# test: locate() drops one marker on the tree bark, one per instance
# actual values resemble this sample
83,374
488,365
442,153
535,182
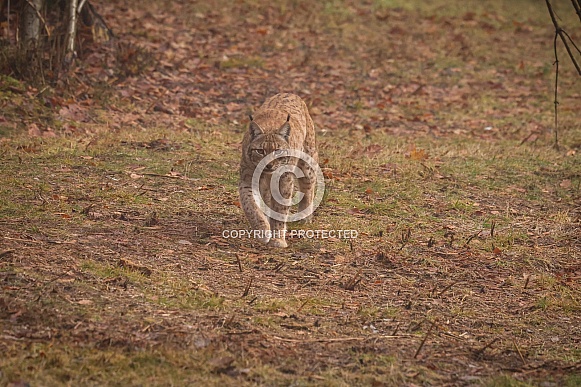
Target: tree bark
71,31
30,22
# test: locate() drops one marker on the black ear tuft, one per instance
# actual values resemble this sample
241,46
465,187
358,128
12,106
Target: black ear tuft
251,118
288,118
255,130
284,131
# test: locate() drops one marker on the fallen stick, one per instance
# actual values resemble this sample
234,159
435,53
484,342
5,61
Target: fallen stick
425,338
332,340
481,350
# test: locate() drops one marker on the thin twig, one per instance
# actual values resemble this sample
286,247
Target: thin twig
425,338
395,329
471,237
528,277
23,240
152,105
239,263
80,7
302,305
561,33
228,321
350,285
519,352
481,350
5,252
572,41
247,287
416,325
333,339
158,175
447,288
405,237
556,100
577,6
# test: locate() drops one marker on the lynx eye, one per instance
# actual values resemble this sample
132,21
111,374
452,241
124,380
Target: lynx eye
260,152
279,152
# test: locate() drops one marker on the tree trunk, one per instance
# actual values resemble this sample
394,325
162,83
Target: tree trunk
71,31
30,22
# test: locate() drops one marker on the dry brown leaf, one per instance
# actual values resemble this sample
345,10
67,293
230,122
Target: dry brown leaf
565,183
126,263
417,154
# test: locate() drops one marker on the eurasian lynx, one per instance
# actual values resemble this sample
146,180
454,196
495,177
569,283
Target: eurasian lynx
280,125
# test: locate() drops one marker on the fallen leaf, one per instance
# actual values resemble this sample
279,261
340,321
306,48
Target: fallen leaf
34,130
74,112
417,154
372,150
126,263
355,211
565,183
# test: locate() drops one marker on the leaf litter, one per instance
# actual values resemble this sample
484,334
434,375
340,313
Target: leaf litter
139,272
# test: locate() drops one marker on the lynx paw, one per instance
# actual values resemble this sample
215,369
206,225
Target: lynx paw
263,240
277,243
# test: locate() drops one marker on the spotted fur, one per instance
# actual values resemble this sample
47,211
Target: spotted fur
282,122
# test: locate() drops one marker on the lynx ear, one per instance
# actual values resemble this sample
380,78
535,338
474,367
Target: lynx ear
255,130
284,130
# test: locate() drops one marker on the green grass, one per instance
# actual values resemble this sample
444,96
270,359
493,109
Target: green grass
453,219
44,365
507,381
430,197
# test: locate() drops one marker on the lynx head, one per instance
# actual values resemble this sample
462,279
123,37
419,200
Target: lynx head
264,142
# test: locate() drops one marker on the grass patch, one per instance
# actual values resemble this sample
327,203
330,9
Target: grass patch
436,153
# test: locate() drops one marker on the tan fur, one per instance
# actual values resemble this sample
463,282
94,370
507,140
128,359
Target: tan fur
265,134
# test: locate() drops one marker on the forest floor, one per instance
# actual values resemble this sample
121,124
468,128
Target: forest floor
434,124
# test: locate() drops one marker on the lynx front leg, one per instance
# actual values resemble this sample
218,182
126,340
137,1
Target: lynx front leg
307,187
278,226
258,221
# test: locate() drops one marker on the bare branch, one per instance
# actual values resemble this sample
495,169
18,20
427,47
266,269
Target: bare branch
572,42
81,4
560,32
577,6
556,101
